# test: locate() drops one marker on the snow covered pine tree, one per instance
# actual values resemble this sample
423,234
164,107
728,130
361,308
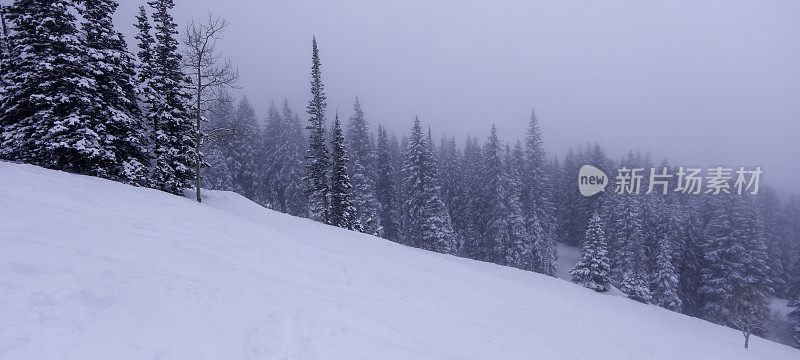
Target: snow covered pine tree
318,161
593,270
342,212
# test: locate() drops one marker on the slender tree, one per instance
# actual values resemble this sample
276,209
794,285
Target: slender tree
246,136
145,69
175,147
665,279
437,228
385,188
4,46
343,212
283,164
209,74
538,209
362,169
318,160
219,151
452,179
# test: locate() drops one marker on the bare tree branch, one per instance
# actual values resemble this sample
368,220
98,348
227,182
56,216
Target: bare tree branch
209,73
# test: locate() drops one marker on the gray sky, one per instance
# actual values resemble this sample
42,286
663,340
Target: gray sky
697,82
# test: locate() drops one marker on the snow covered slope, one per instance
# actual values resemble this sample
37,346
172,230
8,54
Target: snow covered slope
91,269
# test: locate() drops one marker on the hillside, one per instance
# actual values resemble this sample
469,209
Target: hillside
91,269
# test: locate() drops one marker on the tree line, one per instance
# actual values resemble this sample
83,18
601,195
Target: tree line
73,98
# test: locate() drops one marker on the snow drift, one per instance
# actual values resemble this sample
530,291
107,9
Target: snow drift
92,269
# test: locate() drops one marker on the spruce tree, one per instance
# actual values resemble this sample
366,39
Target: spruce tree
47,90
452,179
505,239
4,47
538,209
362,169
113,110
794,291
779,246
794,317
425,222
519,251
634,282
593,270
735,280
318,161
413,185
342,212
282,170
146,75
245,150
692,259
437,228
218,152
385,189
174,148
474,225
665,280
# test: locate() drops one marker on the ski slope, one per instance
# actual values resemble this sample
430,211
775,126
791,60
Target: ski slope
91,269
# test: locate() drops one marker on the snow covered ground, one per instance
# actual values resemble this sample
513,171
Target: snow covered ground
91,269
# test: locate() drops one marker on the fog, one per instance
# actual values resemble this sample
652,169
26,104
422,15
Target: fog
699,83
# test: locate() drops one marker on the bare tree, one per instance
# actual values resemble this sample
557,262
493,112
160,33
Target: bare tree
209,73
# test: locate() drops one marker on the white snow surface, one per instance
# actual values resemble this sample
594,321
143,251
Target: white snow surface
92,269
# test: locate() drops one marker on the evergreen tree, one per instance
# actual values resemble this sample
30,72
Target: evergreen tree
454,196
735,280
362,165
521,248
538,209
793,290
318,161
593,270
4,47
505,239
145,69
43,104
437,228
635,280
665,280
413,185
283,164
385,189
425,222
474,225
692,259
779,247
342,212
113,110
174,148
244,151
569,202
794,317
219,151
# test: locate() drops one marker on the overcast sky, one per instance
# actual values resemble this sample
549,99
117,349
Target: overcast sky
697,82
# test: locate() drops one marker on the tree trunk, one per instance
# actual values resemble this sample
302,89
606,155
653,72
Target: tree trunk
198,140
746,339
